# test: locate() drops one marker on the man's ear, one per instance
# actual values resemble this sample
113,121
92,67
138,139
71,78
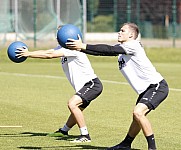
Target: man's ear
131,35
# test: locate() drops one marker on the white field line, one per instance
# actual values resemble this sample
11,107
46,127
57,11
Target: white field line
60,77
11,126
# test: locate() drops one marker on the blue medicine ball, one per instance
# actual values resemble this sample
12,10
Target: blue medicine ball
67,31
12,54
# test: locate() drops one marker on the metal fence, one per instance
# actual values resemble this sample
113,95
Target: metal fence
36,19
157,19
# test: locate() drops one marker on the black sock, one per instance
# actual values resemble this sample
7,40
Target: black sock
128,140
151,141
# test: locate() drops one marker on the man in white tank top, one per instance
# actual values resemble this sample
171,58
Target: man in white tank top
140,74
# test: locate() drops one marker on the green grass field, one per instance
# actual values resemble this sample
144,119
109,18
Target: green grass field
34,95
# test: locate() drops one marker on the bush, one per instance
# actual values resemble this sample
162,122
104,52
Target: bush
101,23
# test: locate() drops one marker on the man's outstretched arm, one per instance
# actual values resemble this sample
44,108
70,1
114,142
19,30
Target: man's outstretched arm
98,49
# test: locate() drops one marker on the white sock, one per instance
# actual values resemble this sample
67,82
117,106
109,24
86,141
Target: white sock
84,131
65,128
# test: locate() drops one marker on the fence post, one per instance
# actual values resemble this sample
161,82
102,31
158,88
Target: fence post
138,12
16,18
174,7
115,15
34,23
84,18
58,13
128,10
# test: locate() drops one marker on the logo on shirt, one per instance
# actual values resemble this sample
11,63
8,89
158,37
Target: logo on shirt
63,60
122,63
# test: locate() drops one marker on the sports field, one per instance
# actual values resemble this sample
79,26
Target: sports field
34,98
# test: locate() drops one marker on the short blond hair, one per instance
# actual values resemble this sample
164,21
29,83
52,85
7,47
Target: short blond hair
134,28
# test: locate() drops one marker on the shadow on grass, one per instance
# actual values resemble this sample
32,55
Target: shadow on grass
66,147
24,134
66,138
34,134
69,147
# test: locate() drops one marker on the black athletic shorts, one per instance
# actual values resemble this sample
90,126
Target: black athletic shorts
154,95
90,91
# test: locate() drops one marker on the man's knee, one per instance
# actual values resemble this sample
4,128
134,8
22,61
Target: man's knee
140,111
137,114
74,102
71,105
